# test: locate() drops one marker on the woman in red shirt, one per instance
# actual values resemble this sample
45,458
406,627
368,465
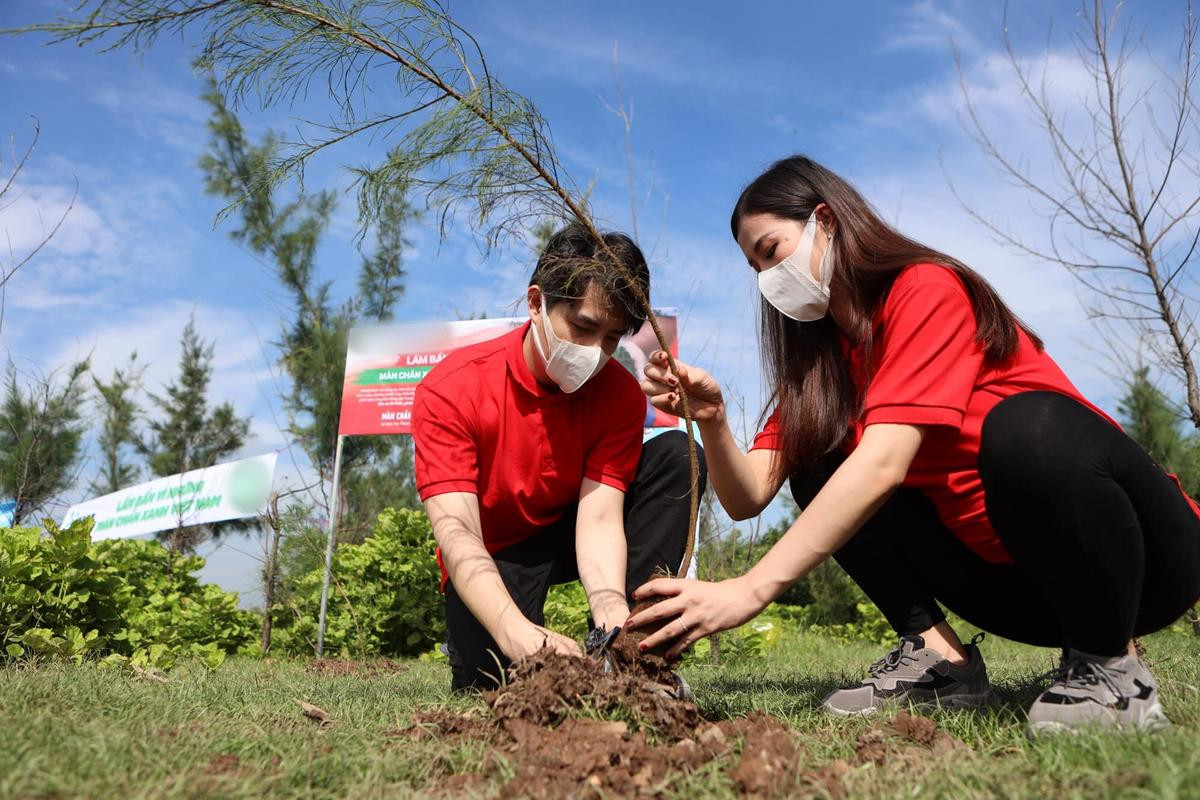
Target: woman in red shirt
943,458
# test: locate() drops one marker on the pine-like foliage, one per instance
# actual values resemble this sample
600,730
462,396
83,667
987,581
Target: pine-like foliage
376,471
41,435
1156,424
187,434
454,133
117,440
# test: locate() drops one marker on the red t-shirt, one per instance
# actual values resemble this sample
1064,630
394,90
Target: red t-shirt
930,371
481,423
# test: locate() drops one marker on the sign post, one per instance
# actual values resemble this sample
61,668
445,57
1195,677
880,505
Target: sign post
333,515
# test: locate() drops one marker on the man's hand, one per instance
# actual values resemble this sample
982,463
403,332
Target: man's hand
526,638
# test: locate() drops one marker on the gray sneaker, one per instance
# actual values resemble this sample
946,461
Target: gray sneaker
1088,690
914,674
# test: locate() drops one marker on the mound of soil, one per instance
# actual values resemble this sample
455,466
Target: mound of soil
547,687
566,727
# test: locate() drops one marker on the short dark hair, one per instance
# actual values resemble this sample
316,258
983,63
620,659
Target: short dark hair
573,260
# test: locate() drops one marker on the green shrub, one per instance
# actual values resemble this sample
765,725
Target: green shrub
384,598
567,610
61,595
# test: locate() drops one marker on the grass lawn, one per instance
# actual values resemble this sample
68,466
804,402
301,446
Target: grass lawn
239,732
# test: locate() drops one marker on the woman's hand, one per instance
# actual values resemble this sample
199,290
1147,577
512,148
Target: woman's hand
703,391
694,609
526,638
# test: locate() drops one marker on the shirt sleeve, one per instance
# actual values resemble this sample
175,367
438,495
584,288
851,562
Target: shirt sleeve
613,459
446,454
928,359
769,437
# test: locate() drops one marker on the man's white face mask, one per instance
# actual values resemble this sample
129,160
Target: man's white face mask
568,364
789,285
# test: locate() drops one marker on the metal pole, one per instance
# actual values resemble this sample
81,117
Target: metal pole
333,514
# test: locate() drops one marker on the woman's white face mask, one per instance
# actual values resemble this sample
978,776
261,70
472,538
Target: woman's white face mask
568,364
789,285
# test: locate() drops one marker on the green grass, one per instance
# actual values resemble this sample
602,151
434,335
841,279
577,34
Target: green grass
238,732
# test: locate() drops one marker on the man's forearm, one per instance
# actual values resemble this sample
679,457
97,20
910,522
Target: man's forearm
600,553
477,580
471,568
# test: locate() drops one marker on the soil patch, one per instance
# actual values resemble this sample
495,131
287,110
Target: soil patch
907,737
224,763
567,727
340,667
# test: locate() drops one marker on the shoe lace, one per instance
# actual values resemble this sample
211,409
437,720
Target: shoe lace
1081,674
895,658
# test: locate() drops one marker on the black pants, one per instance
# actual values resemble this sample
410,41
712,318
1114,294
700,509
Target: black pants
656,522
1105,546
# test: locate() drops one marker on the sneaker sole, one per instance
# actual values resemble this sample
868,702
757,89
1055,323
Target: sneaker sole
1155,719
955,702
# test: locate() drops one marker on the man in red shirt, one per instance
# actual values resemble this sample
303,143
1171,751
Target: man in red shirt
530,462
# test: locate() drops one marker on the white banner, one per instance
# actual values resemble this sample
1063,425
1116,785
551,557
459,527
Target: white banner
199,496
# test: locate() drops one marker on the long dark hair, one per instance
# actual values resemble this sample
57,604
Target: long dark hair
803,361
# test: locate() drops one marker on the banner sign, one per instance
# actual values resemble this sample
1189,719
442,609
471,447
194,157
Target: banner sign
199,496
8,511
385,363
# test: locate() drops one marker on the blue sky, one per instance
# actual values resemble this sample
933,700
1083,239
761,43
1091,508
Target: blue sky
718,91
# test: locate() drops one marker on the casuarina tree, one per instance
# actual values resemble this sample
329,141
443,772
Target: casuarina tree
117,440
376,471
187,434
455,133
41,437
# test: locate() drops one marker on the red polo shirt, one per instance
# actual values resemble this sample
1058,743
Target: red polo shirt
930,371
481,423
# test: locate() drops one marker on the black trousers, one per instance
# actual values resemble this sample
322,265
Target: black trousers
656,522
1105,546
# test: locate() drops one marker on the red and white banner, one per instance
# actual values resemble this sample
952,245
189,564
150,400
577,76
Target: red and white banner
385,363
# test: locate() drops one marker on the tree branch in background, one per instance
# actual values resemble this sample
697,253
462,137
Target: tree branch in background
473,144
1119,203
189,434
7,271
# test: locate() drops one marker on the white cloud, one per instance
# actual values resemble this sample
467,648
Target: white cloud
157,112
926,26
154,333
123,232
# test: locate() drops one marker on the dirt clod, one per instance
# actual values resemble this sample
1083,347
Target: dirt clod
907,736
925,731
769,757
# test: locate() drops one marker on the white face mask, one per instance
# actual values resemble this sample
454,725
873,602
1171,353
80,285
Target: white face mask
569,365
789,285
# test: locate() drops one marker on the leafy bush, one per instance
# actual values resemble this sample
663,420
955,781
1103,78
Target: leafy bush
62,595
567,610
384,599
